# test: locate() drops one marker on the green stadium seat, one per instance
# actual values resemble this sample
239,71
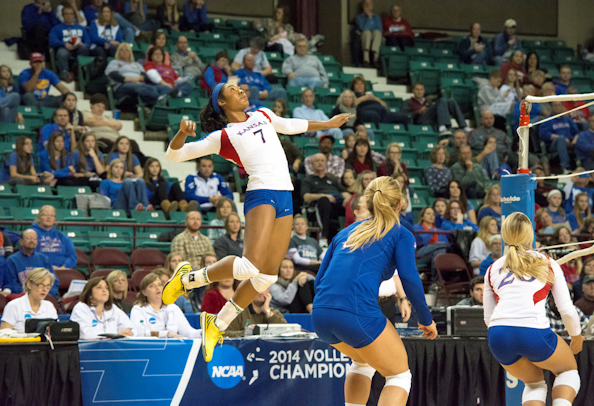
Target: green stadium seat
7,147
425,73
394,65
450,70
450,45
157,119
475,70
294,93
80,239
33,117
111,239
404,141
68,193
155,217
149,240
8,198
24,214
37,196
418,129
70,215
178,216
388,97
113,216
459,90
418,201
396,129
409,158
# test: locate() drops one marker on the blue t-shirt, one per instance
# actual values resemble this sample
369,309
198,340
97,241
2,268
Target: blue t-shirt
349,281
110,189
89,163
150,193
557,217
466,225
45,80
573,220
487,211
62,168
12,160
115,155
46,133
484,266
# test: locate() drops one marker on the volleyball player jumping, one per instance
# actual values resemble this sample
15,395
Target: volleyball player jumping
249,140
520,338
346,313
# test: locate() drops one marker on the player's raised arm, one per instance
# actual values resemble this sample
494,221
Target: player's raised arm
297,125
180,151
187,128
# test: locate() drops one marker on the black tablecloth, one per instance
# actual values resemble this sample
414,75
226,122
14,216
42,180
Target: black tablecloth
34,374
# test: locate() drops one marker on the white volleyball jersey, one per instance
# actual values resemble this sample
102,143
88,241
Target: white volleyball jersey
520,302
253,145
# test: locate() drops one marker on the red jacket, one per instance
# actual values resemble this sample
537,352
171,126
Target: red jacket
397,28
213,302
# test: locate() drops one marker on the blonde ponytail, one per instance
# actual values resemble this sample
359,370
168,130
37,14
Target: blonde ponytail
382,197
517,232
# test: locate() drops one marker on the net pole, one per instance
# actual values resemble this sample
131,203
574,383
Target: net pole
524,134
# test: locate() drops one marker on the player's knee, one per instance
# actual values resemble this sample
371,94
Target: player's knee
535,391
361,368
263,281
569,378
402,380
243,269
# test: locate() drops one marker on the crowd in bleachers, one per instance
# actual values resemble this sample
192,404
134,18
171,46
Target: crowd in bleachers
163,64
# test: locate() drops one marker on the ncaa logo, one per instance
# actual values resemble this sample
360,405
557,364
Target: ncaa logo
94,324
27,316
152,320
226,368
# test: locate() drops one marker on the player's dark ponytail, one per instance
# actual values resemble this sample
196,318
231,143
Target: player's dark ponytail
210,120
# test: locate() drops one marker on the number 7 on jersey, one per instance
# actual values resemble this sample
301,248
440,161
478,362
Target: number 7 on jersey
261,134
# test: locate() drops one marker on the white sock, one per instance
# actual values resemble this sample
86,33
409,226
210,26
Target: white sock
561,402
227,314
195,279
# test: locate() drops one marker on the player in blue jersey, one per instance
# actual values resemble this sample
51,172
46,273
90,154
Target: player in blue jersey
346,313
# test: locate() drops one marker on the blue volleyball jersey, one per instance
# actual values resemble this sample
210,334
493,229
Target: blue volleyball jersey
350,280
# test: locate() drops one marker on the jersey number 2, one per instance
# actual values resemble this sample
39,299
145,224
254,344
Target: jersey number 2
261,134
510,279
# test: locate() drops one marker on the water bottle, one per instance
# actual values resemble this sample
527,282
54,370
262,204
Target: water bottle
249,328
141,329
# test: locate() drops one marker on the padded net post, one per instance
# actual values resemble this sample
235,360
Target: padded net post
524,134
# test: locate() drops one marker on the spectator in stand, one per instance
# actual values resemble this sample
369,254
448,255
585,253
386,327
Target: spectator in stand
194,18
477,285
270,28
372,109
163,75
511,87
302,69
260,88
217,73
473,49
559,135
369,27
292,293
232,242
429,245
121,150
93,166
159,191
118,284
584,146
542,189
53,243
397,30
392,165
128,78
183,301
360,159
135,11
254,103
168,15
37,20
224,208
100,123
556,321
217,294
159,320
554,208
516,63
159,41
537,79
564,81
70,40
581,211
346,104
35,83
349,144
456,193
21,263
439,207
279,107
75,117
186,62
348,180
55,160
532,65
191,244
124,194
258,312
580,117
106,34
495,246
128,30
307,112
576,184
60,124
478,138
506,42
547,89
492,205
535,110
586,303
96,314
326,194
453,144
490,98
454,218
33,304
434,112
171,262
303,250
204,186
587,269
335,164
79,15
406,217
18,168
470,174
479,249
438,175
9,98
545,221
262,65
